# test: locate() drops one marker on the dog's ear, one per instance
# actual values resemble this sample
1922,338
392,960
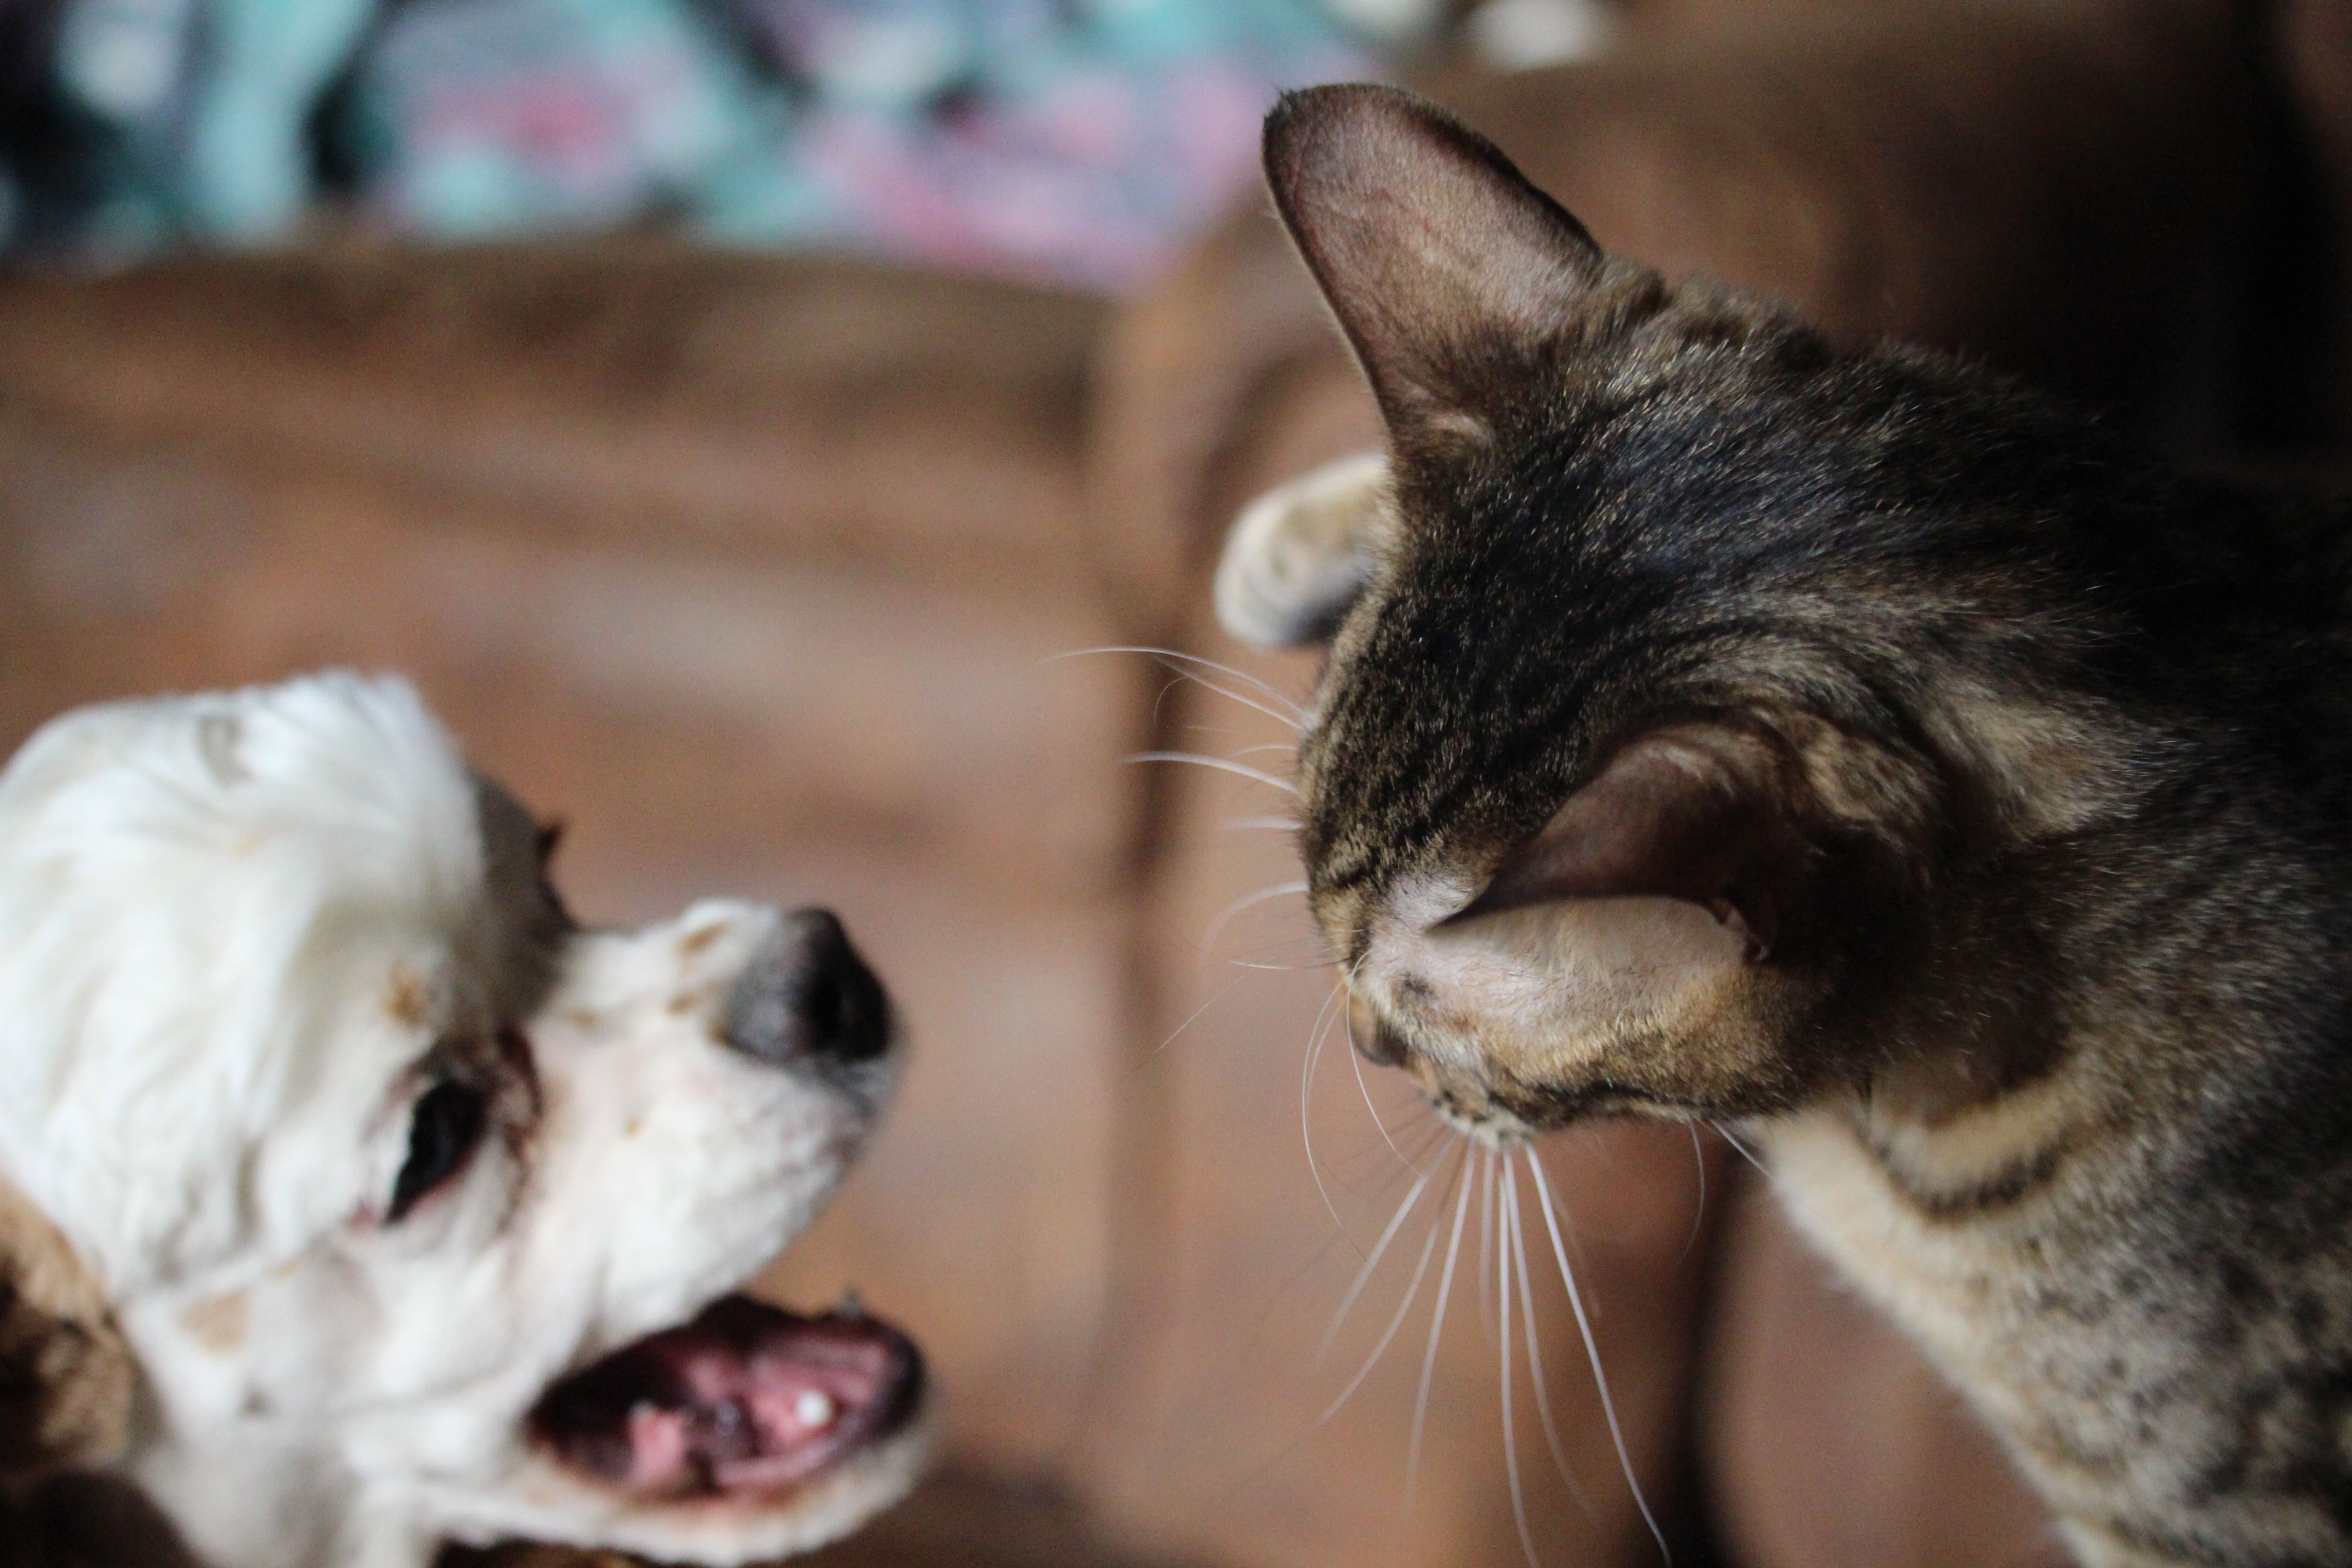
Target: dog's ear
66,1375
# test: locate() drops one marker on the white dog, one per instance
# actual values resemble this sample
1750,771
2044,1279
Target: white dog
417,1206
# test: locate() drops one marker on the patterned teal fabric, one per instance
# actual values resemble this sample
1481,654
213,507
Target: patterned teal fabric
1062,140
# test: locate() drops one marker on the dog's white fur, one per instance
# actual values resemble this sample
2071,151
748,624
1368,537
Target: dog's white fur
233,931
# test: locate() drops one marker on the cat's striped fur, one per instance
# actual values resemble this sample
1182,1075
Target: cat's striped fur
1729,726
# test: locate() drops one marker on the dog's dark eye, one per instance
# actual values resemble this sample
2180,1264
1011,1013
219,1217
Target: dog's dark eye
450,1122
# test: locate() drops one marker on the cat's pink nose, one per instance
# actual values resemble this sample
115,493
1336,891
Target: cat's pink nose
1373,1039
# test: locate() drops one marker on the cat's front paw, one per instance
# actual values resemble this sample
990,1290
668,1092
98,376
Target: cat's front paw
1299,555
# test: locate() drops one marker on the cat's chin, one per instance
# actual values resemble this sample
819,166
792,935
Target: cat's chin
1509,1117
1507,1128
1504,1132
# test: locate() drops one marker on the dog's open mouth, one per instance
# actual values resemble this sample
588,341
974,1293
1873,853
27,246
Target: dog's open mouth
746,1400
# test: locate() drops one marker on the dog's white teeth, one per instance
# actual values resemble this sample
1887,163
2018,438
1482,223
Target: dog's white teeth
643,1410
813,1409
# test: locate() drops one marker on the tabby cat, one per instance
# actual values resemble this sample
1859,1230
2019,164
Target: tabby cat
1720,724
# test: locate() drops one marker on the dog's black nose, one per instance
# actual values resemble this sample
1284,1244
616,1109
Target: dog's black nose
808,997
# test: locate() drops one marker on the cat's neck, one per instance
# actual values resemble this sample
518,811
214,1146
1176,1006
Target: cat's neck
2188,961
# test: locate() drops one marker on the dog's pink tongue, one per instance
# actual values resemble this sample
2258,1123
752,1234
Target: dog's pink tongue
745,1397
757,1420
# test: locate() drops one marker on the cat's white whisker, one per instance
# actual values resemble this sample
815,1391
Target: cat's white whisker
1203,1007
1295,725
1364,1275
1306,1095
1698,1210
1436,1332
1273,693
1293,714
1356,1060
1744,1152
1510,1437
1248,901
1516,1239
1485,1238
1221,764
1396,1320
1592,1354
1261,824
1433,1134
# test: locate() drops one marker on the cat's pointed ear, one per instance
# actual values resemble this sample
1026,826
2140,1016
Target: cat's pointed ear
1434,251
1691,812
1300,554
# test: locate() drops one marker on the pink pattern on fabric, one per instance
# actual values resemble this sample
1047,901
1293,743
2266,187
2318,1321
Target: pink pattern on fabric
1084,186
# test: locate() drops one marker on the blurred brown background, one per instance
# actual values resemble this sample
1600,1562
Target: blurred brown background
765,574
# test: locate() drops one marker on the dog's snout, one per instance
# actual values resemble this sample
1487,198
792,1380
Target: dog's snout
807,996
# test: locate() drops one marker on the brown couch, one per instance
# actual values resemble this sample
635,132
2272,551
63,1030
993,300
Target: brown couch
764,573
